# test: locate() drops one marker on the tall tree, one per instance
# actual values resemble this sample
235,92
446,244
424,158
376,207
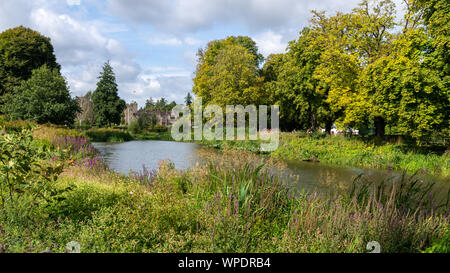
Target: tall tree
23,50
352,42
188,99
108,106
228,74
43,98
302,98
410,87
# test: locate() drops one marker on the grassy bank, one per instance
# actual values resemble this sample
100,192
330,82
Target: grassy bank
353,151
224,206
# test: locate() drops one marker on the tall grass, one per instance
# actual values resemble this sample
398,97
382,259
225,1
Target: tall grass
108,135
232,203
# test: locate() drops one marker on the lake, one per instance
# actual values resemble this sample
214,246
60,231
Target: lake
131,156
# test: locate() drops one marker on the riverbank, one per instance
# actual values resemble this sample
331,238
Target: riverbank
335,150
223,206
354,151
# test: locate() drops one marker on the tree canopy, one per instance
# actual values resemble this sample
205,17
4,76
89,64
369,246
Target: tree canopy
228,73
23,50
108,106
43,98
362,69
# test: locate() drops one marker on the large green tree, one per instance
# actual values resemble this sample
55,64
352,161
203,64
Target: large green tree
289,78
108,106
228,73
351,43
21,51
410,87
43,98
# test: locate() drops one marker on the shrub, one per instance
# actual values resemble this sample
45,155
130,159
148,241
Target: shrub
134,127
43,98
108,135
24,169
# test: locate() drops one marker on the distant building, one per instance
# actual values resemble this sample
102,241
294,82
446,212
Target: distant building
164,118
130,112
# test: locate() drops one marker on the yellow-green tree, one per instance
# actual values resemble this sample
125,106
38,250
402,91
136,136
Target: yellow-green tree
352,42
228,73
289,78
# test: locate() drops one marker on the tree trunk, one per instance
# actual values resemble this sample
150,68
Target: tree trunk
328,127
380,127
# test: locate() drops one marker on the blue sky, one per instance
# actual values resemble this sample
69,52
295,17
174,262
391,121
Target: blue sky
152,44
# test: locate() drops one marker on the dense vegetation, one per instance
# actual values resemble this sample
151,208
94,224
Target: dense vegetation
355,151
361,70
43,98
364,69
232,204
23,50
108,107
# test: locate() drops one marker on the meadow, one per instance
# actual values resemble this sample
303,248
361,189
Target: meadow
222,206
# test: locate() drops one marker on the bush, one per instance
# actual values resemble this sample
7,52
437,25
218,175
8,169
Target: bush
43,98
134,127
160,128
108,135
24,167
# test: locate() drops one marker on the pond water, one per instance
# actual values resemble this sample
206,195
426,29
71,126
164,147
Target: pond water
131,156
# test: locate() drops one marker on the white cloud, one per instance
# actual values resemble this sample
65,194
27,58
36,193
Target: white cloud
73,2
180,16
270,42
174,41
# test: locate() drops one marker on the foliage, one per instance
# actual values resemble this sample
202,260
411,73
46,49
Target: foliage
188,99
23,50
160,105
289,78
134,127
23,169
108,107
355,151
43,98
228,74
233,204
108,135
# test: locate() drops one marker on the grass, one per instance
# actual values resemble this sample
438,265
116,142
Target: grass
232,203
108,135
223,206
353,151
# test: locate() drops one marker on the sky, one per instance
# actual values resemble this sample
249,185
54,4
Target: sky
152,44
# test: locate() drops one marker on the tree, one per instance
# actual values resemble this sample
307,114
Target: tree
409,87
149,104
43,98
23,50
108,106
161,104
302,98
188,99
351,43
229,76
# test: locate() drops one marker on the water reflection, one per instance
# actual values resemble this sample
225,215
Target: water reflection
130,156
123,157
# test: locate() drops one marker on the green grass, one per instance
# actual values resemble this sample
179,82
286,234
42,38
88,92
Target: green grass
358,152
231,204
165,136
220,207
353,151
108,135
